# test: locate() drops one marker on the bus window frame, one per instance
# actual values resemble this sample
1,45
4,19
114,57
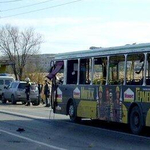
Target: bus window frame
65,72
125,69
108,70
117,63
79,70
92,70
78,76
145,67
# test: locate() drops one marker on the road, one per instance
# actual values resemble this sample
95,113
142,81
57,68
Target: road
37,128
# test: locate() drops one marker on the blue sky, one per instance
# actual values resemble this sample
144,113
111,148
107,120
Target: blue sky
79,25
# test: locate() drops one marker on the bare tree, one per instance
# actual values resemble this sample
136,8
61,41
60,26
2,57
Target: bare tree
19,46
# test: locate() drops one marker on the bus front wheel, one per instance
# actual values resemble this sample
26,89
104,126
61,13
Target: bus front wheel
136,121
72,113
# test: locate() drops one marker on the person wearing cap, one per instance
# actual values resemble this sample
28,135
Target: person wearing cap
46,93
27,91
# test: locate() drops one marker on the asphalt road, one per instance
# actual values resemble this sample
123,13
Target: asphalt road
37,128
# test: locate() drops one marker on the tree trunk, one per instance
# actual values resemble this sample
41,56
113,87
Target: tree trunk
20,73
15,72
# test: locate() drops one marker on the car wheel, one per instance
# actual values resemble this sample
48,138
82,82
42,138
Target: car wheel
3,99
35,103
136,121
72,113
13,101
23,103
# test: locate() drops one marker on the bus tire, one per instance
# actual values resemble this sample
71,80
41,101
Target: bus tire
72,113
23,103
136,120
35,103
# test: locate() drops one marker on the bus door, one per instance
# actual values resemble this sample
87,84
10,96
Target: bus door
55,68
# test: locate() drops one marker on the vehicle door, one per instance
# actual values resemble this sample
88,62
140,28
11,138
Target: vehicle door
1,86
34,91
8,91
21,91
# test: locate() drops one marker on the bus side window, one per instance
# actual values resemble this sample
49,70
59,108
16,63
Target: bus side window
82,73
135,68
100,68
116,70
85,67
72,72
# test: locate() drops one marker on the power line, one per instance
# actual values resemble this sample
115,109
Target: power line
59,5
11,1
25,6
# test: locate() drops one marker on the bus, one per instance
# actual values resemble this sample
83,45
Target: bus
111,84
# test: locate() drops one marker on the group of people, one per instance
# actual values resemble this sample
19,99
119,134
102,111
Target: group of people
40,87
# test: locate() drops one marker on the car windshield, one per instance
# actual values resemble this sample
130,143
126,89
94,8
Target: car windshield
1,82
22,86
7,82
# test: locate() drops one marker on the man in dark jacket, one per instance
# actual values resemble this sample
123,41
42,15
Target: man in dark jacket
40,87
46,93
27,91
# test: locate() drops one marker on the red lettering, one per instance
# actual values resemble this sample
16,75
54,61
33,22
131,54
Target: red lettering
76,93
59,96
128,95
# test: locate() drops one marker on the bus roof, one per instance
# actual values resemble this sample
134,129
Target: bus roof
127,49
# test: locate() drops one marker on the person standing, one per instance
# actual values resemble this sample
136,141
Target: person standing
46,93
40,86
27,91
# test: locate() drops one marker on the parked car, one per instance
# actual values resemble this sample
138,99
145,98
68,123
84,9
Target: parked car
16,93
5,81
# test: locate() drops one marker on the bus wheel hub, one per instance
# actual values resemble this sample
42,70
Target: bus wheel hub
136,120
71,110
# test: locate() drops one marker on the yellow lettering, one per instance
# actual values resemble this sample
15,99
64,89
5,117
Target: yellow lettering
142,96
148,96
137,94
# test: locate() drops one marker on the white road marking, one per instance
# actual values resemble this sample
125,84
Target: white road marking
25,115
31,140
102,129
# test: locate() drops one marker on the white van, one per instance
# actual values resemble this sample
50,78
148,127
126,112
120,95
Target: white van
5,81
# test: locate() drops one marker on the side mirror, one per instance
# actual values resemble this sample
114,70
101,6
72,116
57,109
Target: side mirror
5,87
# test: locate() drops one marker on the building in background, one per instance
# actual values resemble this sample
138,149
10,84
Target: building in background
3,65
45,60
36,62
40,61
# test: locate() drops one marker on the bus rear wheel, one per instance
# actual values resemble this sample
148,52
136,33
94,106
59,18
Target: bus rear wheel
72,113
136,121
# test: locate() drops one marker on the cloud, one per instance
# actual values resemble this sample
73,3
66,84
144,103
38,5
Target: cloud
70,34
103,34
